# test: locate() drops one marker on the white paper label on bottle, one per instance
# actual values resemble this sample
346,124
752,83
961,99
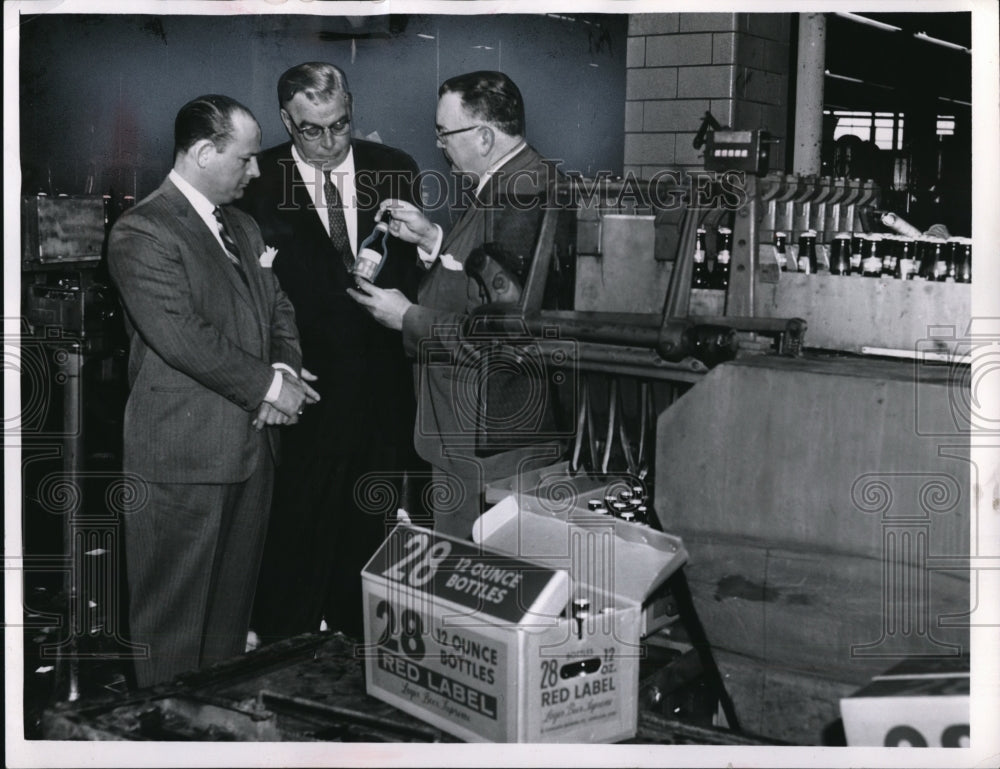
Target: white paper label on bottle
722,257
699,256
367,264
804,264
872,264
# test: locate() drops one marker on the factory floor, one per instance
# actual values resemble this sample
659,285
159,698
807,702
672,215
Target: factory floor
46,678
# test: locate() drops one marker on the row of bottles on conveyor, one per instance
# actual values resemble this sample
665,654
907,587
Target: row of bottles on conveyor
932,257
832,225
873,255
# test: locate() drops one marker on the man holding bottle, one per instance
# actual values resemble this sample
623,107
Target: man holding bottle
480,128
316,201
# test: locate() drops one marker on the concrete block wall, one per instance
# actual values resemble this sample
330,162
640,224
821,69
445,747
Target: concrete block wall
680,65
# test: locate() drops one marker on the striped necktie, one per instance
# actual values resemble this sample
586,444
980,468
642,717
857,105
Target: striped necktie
232,251
338,224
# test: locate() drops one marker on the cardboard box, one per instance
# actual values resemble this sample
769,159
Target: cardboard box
563,493
479,640
918,703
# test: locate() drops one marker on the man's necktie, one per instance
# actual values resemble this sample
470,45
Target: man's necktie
338,224
232,251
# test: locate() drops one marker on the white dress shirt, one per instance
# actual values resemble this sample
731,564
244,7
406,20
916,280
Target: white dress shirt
343,179
204,207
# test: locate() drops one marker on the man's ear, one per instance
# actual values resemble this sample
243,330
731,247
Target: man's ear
286,119
487,139
202,151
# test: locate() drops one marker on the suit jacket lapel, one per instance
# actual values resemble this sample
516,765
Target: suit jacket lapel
364,164
478,214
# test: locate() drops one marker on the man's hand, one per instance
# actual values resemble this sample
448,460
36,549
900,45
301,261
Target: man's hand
408,223
387,306
294,396
269,415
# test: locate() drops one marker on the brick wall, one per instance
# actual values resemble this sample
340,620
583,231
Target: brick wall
681,64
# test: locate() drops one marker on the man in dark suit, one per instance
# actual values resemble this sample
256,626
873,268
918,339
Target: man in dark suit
214,363
316,201
480,128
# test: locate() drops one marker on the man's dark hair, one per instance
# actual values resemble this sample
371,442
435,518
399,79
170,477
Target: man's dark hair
207,117
318,80
490,96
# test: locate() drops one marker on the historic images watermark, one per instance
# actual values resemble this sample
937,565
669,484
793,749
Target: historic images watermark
531,189
86,505
929,519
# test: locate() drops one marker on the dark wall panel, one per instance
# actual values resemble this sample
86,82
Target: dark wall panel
99,92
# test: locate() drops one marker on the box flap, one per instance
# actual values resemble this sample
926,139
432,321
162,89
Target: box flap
627,559
480,583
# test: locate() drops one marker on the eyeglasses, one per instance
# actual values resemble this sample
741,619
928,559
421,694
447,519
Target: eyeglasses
442,134
313,133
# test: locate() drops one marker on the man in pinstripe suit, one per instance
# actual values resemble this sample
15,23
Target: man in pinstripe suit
214,364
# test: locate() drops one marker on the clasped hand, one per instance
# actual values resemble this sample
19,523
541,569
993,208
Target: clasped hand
295,394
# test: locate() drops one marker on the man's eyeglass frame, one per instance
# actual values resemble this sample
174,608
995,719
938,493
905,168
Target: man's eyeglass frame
444,134
314,133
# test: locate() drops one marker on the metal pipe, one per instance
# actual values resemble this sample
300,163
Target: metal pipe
809,93
679,288
351,715
610,328
68,661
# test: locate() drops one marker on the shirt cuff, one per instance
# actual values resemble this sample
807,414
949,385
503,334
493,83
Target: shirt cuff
427,258
271,395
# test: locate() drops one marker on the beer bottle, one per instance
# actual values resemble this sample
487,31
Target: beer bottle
905,259
939,259
807,251
581,610
953,254
840,254
780,239
373,252
871,261
888,255
925,258
720,273
963,269
856,240
700,277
